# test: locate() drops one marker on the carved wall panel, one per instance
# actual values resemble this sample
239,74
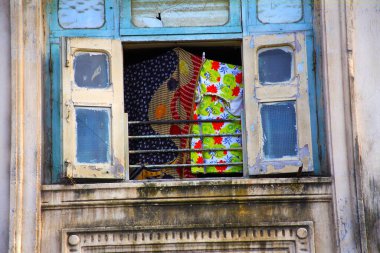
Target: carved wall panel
279,238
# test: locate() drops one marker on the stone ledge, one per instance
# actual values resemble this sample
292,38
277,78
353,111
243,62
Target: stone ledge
189,192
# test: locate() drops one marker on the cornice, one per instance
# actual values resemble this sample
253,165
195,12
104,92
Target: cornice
186,192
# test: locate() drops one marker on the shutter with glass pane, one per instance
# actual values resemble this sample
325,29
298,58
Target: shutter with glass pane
277,102
92,108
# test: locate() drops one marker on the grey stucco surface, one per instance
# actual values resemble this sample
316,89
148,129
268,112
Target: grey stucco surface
366,99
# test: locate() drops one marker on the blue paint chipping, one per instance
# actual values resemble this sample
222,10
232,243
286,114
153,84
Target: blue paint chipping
252,42
300,67
91,70
279,128
275,65
93,135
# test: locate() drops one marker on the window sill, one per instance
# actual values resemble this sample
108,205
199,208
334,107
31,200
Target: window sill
189,192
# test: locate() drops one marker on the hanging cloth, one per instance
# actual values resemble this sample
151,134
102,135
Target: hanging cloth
219,95
161,88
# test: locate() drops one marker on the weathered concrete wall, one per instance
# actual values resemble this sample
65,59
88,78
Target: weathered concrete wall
366,95
5,119
258,213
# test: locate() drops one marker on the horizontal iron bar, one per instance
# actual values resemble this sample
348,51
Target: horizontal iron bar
180,121
181,136
183,165
182,150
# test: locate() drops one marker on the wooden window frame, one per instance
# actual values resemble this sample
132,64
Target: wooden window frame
296,89
111,97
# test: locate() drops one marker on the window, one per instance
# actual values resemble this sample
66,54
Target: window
158,17
179,14
169,137
271,104
80,14
277,95
92,109
272,12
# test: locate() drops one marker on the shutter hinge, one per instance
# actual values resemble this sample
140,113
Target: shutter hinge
68,111
65,51
68,178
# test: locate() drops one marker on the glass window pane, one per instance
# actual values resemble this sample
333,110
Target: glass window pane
81,13
170,13
279,11
275,65
91,70
93,135
280,129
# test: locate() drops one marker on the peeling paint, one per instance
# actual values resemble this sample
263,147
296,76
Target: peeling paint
117,169
305,157
270,167
288,164
252,42
280,36
300,67
304,152
297,45
256,168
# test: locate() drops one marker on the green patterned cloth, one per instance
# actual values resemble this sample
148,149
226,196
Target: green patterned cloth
219,96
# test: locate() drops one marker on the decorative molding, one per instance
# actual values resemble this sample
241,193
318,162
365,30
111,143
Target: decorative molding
291,237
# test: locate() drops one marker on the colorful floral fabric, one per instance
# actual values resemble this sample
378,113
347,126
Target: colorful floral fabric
219,96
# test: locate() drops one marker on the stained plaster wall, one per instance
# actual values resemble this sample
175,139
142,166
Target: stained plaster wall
366,104
5,120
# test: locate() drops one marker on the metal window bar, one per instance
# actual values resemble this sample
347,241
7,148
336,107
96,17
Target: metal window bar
180,121
161,166
158,167
181,136
202,141
183,150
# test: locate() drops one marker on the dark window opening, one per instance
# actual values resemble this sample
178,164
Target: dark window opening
184,103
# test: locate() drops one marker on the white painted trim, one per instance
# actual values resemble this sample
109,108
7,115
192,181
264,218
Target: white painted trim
26,142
